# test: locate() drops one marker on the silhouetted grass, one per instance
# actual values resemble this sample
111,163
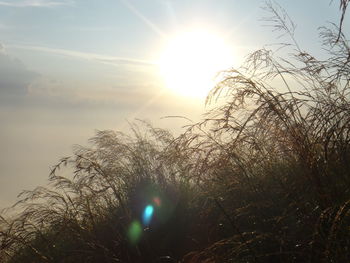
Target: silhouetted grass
263,178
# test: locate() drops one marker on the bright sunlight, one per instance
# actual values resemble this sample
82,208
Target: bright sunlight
191,61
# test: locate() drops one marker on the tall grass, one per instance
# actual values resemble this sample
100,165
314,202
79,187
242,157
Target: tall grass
264,177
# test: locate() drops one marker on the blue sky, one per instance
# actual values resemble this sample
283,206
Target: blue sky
69,67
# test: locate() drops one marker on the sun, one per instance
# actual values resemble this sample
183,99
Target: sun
191,61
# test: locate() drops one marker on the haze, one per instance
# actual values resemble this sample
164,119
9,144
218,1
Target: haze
68,68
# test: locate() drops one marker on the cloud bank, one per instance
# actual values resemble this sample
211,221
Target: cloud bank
14,76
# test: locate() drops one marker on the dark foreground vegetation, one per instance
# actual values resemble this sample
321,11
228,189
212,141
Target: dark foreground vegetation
265,177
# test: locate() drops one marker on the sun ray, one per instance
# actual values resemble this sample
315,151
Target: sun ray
143,18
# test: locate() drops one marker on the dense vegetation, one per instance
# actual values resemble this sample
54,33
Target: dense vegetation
265,177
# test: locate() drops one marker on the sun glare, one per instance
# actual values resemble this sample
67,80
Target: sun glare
191,60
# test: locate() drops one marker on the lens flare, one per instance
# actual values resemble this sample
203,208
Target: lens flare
157,201
147,215
134,232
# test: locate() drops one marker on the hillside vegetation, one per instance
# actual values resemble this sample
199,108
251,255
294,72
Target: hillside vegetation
265,177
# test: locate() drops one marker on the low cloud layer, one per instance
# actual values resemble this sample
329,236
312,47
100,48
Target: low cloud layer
14,76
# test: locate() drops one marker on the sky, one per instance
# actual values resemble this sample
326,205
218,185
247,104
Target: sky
71,67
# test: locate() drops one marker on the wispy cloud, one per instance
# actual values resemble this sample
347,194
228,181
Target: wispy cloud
112,60
92,28
4,27
35,3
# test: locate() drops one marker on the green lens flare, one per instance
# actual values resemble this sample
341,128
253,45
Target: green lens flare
134,232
